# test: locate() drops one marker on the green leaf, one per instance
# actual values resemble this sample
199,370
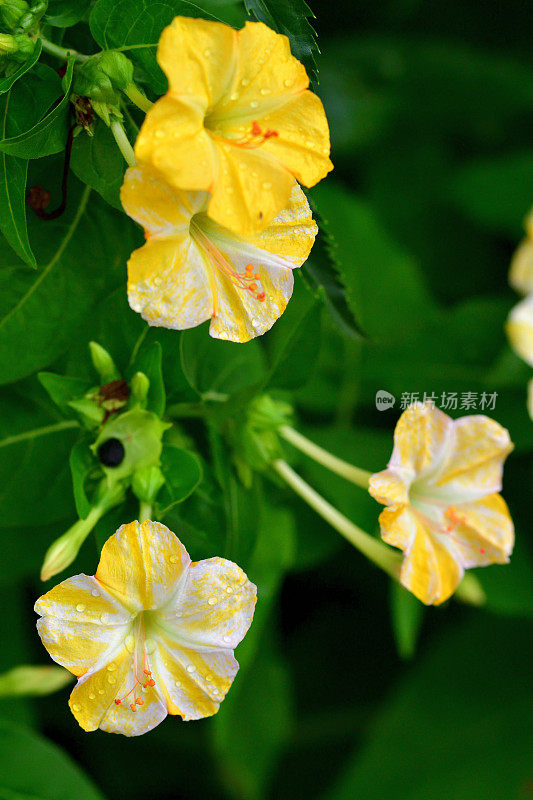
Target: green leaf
32,768
7,82
182,472
149,361
50,134
74,251
97,161
445,731
34,451
215,368
294,341
406,615
65,13
20,108
82,463
290,17
63,388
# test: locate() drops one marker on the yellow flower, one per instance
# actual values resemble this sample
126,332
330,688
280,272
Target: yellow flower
150,634
520,329
441,488
521,274
191,269
238,121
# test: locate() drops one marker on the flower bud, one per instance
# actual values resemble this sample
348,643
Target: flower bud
146,483
91,414
33,681
139,386
117,67
103,363
259,444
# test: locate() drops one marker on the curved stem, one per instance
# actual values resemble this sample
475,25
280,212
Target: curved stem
62,52
373,549
138,98
356,475
145,511
123,142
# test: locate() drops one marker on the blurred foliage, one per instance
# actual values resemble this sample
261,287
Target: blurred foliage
346,689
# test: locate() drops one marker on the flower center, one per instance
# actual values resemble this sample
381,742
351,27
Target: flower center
254,137
140,647
247,281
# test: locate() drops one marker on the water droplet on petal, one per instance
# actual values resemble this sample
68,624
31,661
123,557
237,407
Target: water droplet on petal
80,607
160,133
265,91
177,684
111,667
254,104
245,82
111,679
173,559
104,618
207,52
226,639
101,691
212,600
267,185
95,593
76,707
234,96
229,589
130,643
209,678
92,696
191,668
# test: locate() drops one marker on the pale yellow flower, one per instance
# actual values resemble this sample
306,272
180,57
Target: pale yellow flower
151,634
441,488
238,121
521,273
520,329
191,269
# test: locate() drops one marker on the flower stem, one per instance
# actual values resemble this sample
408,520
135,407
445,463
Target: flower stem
354,474
62,52
123,142
137,97
373,549
145,511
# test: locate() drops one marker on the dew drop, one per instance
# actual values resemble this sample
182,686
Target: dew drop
101,691
226,639
80,607
209,678
229,589
234,96
111,679
207,52
160,133
245,82
173,559
95,593
104,618
230,190
212,600
177,684
254,175
76,707
267,185
254,104
191,668
92,696
265,91
111,667
287,82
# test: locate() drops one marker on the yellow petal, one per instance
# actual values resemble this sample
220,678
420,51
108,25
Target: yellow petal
388,488
143,564
198,58
173,141
484,533
250,189
474,465
81,623
421,440
521,274
520,329
429,570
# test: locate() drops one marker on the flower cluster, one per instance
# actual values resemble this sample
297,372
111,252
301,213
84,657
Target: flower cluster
520,322
215,184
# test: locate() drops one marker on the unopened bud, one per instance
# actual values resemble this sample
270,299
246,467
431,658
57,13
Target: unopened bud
117,67
139,386
103,363
92,415
33,681
146,483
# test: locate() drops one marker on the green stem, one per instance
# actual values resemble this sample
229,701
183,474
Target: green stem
123,142
376,551
145,511
360,477
138,98
62,52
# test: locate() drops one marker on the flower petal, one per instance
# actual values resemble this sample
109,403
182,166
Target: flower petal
174,142
389,488
168,283
421,441
81,623
143,564
521,273
251,188
520,329
484,533
429,570
198,58
474,465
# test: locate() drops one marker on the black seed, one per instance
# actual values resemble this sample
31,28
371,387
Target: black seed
111,452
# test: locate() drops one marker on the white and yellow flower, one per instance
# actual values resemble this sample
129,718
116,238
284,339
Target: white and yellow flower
151,634
238,121
520,329
441,492
191,269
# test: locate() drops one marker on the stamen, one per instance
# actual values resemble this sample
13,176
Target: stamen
139,675
256,138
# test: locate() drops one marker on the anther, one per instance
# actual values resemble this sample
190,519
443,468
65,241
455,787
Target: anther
133,707
139,701
147,671
117,701
151,682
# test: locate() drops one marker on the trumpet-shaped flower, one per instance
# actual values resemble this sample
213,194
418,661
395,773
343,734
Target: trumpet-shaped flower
191,269
441,492
520,329
151,634
238,121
